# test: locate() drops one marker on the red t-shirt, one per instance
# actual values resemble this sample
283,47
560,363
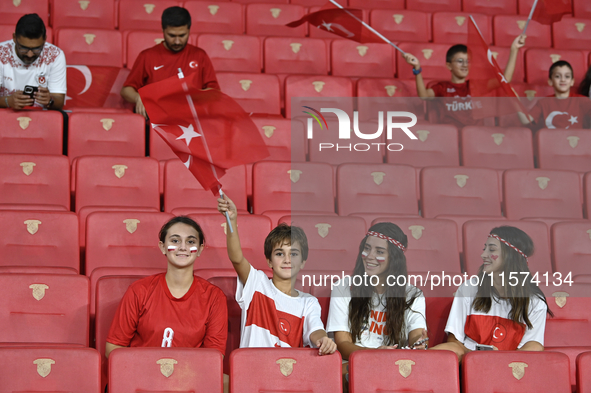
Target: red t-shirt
149,316
457,108
552,112
158,63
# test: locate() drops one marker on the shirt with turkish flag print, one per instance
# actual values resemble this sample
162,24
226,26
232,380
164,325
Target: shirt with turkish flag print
150,316
158,63
563,113
270,318
472,327
456,107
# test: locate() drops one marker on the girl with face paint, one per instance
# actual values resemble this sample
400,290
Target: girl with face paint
377,313
496,311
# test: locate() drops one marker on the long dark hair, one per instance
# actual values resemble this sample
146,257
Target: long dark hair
394,295
586,83
519,296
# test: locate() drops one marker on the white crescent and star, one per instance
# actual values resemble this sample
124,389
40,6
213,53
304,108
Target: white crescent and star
495,332
193,64
188,134
87,78
552,115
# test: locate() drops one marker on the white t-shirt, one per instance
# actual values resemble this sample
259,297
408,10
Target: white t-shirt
472,327
271,318
372,334
49,70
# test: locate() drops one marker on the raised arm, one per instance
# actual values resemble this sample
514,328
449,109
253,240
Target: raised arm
241,265
517,44
422,91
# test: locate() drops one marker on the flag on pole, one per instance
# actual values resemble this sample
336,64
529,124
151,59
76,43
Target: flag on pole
339,21
488,80
206,129
550,11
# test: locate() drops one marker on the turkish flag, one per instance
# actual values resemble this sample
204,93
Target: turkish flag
487,81
341,22
206,129
501,332
95,87
550,11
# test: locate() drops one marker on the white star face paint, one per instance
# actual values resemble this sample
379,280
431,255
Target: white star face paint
172,248
193,249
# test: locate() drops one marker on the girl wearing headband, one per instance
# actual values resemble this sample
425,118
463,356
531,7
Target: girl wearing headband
176,308
379,313
497,311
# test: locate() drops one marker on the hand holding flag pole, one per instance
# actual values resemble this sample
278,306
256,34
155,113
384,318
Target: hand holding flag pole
531,14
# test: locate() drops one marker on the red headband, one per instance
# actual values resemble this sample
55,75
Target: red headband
509,244
391,240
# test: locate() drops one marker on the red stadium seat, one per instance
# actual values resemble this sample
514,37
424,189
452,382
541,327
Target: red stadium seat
587,194
117,181
270,20
115,134
350,58
216,17
376,188
538,62
124,239
292,186
326,91
376,94
86,14
437,309
38,369
476,232
437,146
507,27
49,238
182,190
571,306
571,249
159,149
401,25
431,56
452,27
497,148
541,193
138,41
12,11
583,373
572,353
308,3
35,181
91,46
410,371
295,55
279,216
570,33
459,190
137,15
372,4
31,132
333,242
508,7
137,369
582,9
284,138
508,371
461,220
253,230
238,53
434,5
256,93
312,373
564,149
44,308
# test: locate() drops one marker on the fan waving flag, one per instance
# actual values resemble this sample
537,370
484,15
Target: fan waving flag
550,11
339,21
206,129
488,80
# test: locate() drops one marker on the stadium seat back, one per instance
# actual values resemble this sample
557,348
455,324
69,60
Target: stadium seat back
352,59
431,56
320,92
284,138
401,25
270,20
371,4
583,373
137,41
137,15
256,93
91,46
12,11
569,33
216,17
497,148
508,7
570,305
380,94
295,55
452,27
237,53
571,249
87,14
507,27
437,145
434,5
31,132
564,149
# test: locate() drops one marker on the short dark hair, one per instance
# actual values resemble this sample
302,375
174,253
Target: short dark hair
175,17
454,50
30,26
286,233
183,220
560,63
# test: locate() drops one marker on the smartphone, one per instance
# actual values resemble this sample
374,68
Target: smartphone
481,347
30,91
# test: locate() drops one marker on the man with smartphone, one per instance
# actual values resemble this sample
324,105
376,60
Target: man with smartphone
32,71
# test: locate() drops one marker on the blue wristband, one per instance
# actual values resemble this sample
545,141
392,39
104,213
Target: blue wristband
417,72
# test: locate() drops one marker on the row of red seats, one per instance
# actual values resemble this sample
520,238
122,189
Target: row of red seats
134,14
40,297
166,369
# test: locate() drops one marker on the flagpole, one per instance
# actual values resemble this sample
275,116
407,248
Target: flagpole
369,27
531,14
198,124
